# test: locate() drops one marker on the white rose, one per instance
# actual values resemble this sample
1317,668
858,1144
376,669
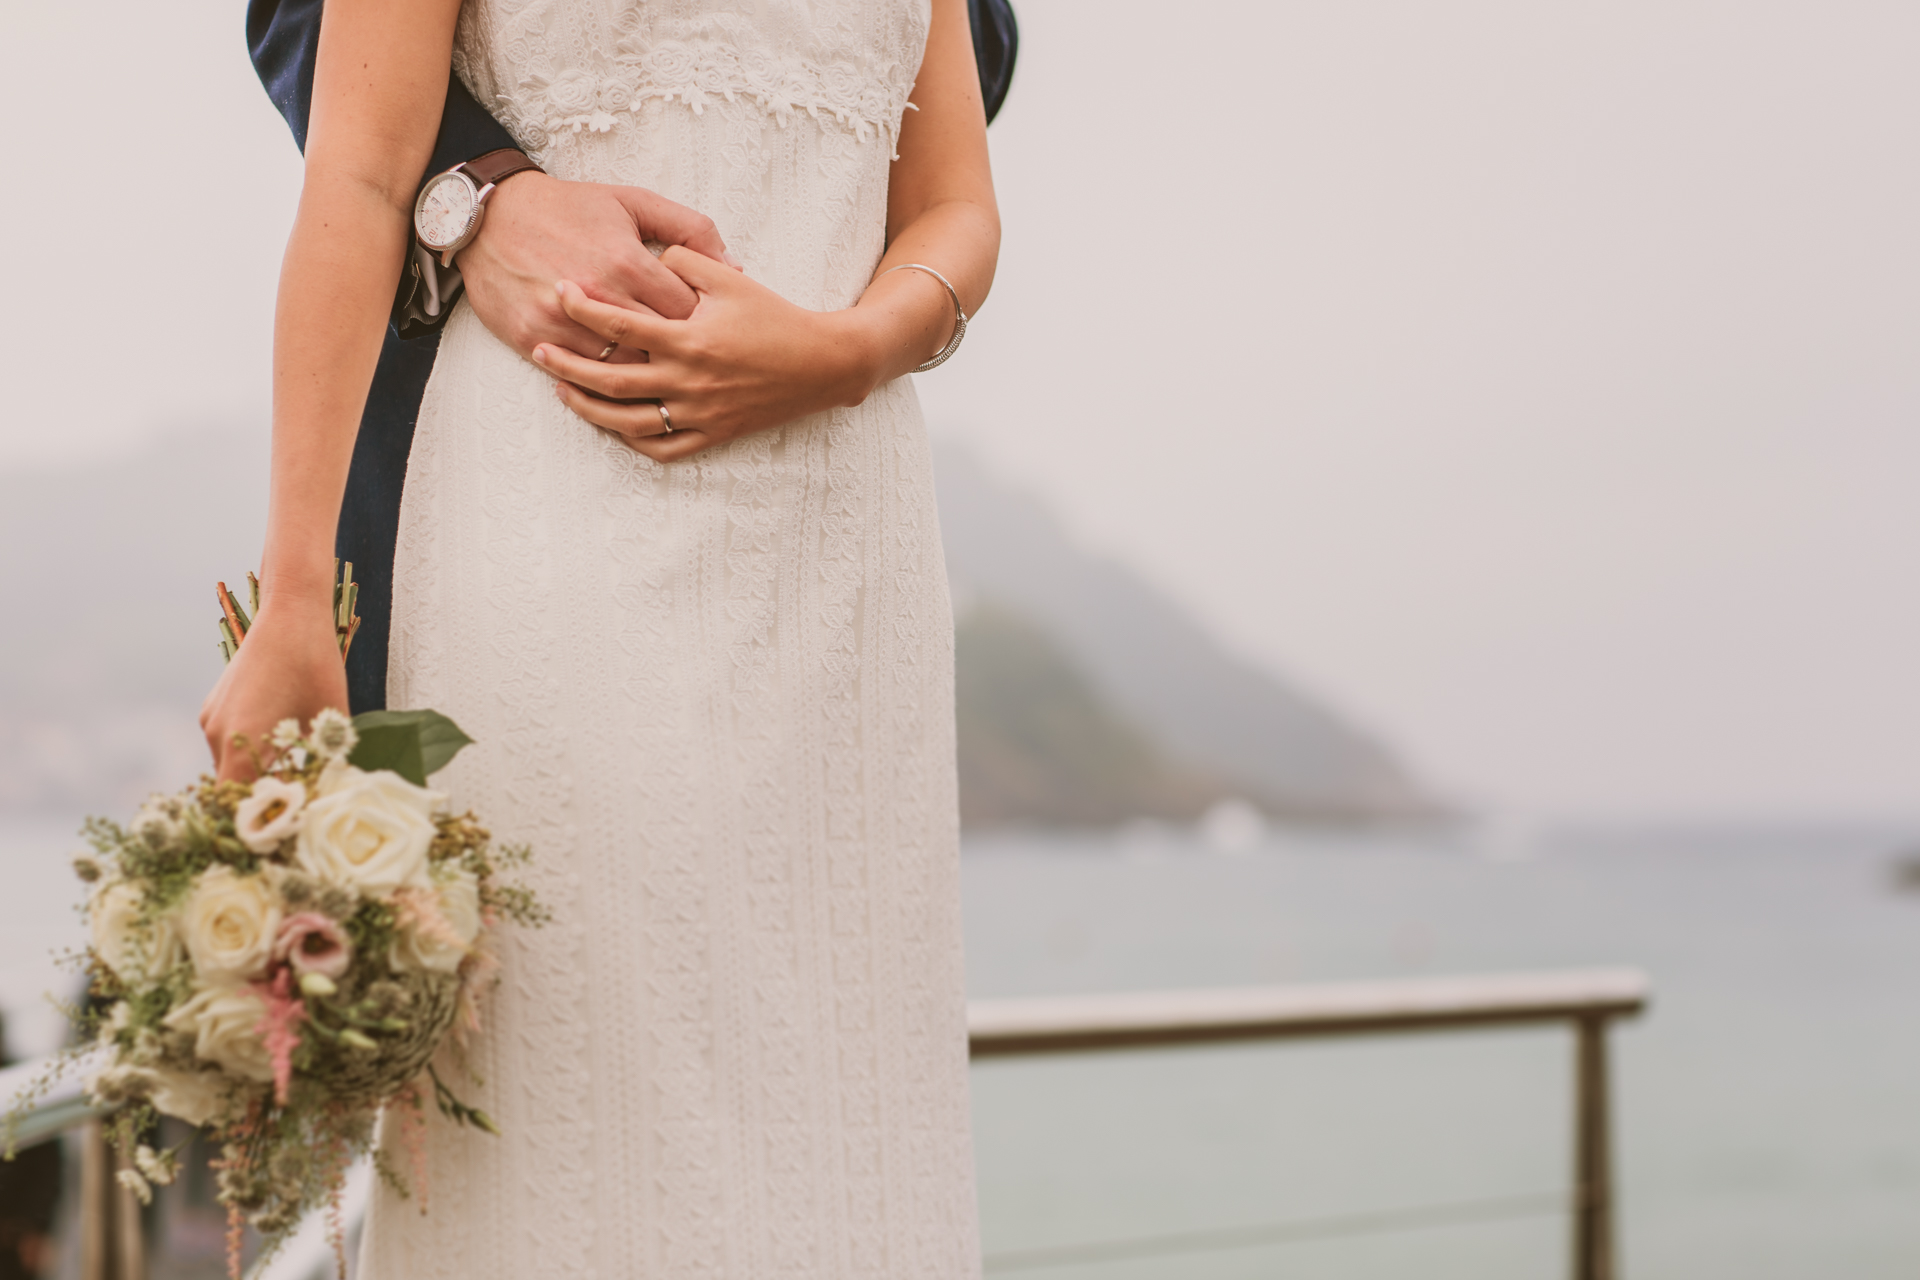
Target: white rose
230,921
333,774
269,815
369,833
441,950
130,948
223,1022
194,1096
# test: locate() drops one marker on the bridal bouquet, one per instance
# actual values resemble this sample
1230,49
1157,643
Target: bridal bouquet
282,959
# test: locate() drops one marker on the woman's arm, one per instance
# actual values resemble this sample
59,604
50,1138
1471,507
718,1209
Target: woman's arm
379,83
747,359
940,205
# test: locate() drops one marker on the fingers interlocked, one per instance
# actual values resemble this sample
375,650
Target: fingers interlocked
625,398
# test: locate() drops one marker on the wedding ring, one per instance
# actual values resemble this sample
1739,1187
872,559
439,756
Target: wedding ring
666,419
611,348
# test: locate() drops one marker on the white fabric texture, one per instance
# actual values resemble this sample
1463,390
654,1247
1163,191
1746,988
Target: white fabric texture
716,698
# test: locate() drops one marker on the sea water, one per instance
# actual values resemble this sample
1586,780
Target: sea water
1767,1106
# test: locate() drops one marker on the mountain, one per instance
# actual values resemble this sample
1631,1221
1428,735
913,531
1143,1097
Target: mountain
1219,716
1038,744
1086,695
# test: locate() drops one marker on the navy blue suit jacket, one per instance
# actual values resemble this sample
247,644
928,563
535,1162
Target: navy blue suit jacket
282,36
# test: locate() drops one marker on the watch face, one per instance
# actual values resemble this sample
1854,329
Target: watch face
445,210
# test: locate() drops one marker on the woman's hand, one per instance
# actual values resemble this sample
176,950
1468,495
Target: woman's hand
745,360
288,667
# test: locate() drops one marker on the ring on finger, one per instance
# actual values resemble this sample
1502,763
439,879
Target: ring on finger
666,419
611,348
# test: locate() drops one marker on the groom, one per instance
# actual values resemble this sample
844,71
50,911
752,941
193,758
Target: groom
537,230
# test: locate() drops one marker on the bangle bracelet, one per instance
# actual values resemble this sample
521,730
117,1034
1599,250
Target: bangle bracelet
941,356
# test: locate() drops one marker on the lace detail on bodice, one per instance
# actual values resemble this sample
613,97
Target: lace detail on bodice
548,67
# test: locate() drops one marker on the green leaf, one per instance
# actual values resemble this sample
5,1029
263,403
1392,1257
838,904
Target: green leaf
414,744
390,746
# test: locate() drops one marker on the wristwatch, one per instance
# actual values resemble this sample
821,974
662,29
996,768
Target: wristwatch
446,217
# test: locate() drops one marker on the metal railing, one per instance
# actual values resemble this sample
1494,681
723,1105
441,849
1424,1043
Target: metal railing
1586,1001
112,1245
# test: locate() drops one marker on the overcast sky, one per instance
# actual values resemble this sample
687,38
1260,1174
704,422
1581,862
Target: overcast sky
1536,381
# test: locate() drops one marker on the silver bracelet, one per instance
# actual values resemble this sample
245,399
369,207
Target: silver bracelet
941,356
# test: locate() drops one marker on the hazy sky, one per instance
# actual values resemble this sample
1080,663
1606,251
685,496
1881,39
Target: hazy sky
1537,381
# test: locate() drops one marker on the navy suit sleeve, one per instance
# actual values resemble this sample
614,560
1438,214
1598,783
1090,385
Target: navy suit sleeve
996,45
283,36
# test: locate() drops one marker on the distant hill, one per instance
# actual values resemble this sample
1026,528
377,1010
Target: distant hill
1086,696
1038,744
1220,717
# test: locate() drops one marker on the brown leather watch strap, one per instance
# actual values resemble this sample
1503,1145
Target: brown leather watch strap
498,165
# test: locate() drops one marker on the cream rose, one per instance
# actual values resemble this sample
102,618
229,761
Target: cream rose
369,833
224,1022
267,817
195,1096
440,942
229,922
130,948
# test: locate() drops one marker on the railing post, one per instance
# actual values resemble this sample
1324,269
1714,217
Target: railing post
96,1203
112,1246
1593,1257
129,1239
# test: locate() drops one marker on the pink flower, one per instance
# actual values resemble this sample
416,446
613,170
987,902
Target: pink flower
312,943
279,1029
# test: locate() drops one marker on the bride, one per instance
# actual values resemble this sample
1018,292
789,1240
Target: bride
694,610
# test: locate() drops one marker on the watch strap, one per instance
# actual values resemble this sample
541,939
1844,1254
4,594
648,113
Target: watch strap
496,166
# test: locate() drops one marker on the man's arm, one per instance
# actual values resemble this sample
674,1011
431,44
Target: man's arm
282,36
996,46
537,229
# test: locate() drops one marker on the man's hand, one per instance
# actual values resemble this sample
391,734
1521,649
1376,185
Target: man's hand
539,229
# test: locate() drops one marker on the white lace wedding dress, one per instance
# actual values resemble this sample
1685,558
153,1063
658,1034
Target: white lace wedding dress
716,698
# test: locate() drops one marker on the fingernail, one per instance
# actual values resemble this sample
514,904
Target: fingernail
731,261
560,287
540,354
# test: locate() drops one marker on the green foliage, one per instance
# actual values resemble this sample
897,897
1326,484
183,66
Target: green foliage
413,744
457,1111
148,1005
513,902
373,929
